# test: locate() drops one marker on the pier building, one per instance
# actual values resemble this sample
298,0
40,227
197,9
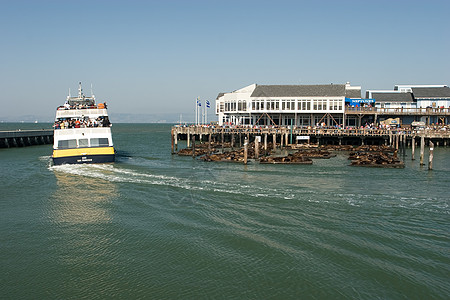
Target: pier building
428,104
332,105
412,96
22,138
283,105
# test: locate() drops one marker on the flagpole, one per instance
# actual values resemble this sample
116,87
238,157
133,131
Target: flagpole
196,107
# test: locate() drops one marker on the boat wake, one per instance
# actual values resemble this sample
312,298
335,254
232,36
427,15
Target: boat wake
201,183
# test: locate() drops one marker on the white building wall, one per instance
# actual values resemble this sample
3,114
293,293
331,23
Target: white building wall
239,107
435,103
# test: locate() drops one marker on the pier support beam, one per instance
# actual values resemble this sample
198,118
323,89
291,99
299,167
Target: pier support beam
422,149
232,141
245,150
274,142
209,144
172,139
223,139
265,144
257,139
188,139
176,141
413,147
193,146
240,140
430,158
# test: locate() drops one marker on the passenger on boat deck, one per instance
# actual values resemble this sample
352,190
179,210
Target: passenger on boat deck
66,105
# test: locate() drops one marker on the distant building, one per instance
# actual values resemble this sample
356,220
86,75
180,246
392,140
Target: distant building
298,105
412,96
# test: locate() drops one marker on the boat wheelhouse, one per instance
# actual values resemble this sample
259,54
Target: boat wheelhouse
82,132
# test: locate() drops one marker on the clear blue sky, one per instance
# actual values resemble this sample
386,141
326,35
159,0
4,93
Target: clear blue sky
149,57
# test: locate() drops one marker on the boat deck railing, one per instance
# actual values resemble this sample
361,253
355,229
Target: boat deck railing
69,113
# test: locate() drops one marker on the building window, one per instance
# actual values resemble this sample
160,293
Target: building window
242,105
304,105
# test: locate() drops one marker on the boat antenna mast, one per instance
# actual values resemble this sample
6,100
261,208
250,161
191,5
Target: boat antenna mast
80,91
92,93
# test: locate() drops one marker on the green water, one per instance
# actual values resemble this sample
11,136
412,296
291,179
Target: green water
157,226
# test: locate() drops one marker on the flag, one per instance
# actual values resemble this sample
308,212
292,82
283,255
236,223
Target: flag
208,105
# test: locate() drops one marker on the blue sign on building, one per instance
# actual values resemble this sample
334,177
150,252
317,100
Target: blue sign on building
358,101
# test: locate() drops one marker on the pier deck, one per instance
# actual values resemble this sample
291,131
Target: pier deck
286,135
22,138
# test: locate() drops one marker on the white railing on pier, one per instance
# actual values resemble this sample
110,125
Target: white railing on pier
398,111
330,132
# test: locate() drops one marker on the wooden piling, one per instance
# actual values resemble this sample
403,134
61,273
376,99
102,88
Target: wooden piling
188,143
257,139
245,150
265,144
193,146
176,141
209,144
274,142
430,158
172,140
232,141
223,140
422,149
413,145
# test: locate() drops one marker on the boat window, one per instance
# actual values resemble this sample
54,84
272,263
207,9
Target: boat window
83,143
66,144
99,142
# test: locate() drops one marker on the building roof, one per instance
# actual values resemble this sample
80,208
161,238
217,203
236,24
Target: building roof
353,93
220,95
325,90
431,92
392,97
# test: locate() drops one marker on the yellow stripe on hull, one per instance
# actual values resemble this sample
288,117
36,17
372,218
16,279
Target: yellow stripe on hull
83,151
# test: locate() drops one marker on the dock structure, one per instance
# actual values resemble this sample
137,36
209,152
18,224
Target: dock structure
23,138
289,136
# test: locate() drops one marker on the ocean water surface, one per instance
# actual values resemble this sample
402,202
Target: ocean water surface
159,226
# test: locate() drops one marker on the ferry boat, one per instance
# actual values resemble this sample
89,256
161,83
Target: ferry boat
82,132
